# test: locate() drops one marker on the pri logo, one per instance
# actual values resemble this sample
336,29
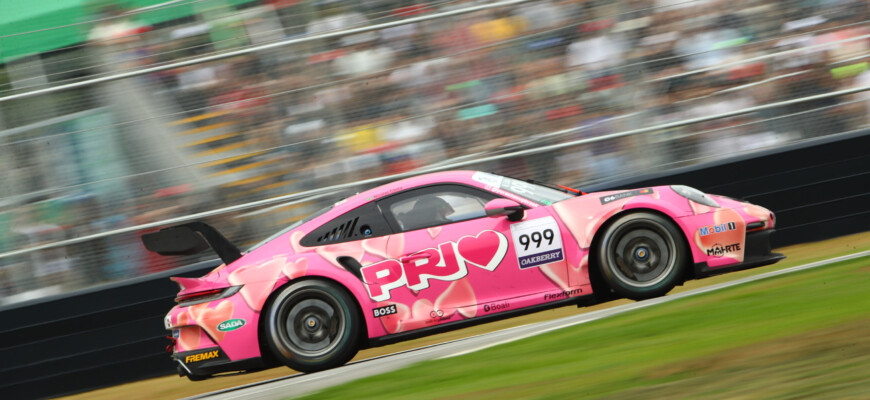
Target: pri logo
448,262
721,228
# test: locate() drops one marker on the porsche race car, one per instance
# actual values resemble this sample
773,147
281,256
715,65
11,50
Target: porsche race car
441,251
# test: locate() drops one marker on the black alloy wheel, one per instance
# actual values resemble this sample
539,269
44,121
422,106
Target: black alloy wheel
312,325
641,255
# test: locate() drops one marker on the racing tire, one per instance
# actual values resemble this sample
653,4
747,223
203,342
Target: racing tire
642,255
313,325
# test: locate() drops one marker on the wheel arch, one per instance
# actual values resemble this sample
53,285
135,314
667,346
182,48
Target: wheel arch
595,278
265,351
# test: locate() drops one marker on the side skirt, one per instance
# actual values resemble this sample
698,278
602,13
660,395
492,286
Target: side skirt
584,300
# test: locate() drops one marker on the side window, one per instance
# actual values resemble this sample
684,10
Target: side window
360,223
439,205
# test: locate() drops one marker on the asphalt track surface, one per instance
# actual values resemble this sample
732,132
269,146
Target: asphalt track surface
300,384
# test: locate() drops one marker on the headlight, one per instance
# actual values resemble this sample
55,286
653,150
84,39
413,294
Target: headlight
695,195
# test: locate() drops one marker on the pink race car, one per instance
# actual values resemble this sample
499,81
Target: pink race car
441,251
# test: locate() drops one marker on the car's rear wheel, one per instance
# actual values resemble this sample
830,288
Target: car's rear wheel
313,325
641,255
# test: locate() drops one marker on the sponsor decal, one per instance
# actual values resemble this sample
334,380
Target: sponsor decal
384,311
619,196
718,250
176,333
202,356
537,242
231,325
495,307
167,321
563,294
488,179
436,314
448,262
720,228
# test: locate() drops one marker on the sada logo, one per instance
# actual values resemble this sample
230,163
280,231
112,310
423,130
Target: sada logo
231,325
448,262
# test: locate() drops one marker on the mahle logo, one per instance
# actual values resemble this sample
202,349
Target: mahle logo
231,325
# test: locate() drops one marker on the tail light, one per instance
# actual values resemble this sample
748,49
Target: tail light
189,299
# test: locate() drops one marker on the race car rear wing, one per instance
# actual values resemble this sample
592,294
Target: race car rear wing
191,238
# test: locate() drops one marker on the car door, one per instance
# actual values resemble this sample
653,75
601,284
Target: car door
456,262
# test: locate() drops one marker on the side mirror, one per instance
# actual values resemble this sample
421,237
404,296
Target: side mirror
498,207
175,241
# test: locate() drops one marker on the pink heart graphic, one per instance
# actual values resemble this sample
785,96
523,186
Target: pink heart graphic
421,315
393,322
585,215
215,271
459,297
295,237
486,250
331,252
433,231
565,275
760,213
385,246
734,236
295,269
209,318
258,280
699,209
188,336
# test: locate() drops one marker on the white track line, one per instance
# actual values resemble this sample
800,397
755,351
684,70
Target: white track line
286,384
646,303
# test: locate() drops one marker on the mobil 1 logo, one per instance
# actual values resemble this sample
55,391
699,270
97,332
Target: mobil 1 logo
537,242
384,311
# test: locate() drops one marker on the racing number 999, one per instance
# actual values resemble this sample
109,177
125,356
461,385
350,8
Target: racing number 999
537,238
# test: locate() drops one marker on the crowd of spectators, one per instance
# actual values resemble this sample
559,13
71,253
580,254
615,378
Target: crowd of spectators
546,71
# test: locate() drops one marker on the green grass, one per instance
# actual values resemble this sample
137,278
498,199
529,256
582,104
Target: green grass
803,335
173,387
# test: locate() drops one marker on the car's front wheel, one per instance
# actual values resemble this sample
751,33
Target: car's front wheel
641,255
312,325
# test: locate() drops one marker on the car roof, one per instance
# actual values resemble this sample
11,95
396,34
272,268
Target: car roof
352,202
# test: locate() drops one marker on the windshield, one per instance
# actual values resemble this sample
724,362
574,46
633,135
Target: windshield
537,193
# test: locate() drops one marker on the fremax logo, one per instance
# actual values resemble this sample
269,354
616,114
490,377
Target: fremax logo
708,230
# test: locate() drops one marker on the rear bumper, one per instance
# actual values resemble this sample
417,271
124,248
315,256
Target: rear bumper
210,361
757,254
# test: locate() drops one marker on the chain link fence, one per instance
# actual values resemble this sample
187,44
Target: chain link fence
224,104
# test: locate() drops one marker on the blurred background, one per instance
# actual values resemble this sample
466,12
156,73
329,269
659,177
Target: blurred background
117,117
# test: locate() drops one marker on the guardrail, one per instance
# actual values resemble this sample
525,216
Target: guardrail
482,158
114,334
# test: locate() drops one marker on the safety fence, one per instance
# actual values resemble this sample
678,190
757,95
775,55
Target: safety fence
114,334
241,122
